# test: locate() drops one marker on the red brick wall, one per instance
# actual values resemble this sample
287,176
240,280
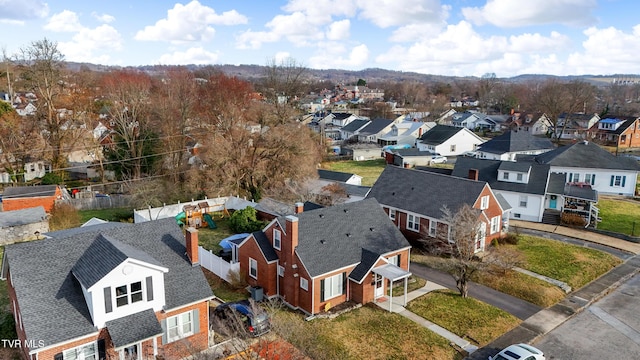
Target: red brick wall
189,345
493,210
25,203
632,139
266,272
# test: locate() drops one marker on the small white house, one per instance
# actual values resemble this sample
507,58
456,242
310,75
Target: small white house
449,140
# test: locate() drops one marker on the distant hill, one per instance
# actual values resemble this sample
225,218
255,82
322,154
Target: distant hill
253,72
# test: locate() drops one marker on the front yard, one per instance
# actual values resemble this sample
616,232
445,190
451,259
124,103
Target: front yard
370,170
621,216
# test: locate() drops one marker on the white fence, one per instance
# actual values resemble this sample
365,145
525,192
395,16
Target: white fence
216,264
166,211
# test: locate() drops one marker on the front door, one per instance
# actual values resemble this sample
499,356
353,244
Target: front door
379,287
553,202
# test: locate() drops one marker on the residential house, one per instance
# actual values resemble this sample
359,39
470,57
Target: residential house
405,133
24,197
586,162
467,119
361,152
512,143
318,259
25,109
623,132
534,123
414,200
353,128
575,126
445,117
342,177
449,140
22,225
411,157
32,169
340,119
373,130
110,291
350,185
530,189
495,123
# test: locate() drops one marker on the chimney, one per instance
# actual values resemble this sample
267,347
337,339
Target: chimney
192,244
292,233
299,207
473,174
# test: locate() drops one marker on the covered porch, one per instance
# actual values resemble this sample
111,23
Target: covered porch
392,273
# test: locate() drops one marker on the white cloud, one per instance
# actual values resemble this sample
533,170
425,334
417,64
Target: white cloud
103,18
607,51
321,12
18,11
332,56
297,28
536,42
415,32
282,56
339,30
386,13
516,13
194,55
66,21
92,45
191,22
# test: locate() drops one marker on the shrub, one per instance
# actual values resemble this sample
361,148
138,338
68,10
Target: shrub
245,221
63,216
52,179
510,238
572,219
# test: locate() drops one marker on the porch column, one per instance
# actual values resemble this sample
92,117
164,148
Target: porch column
390,295
155,346
405,291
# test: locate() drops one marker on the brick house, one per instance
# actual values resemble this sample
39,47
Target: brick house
414,199
24,197
318,259
623,132
109,291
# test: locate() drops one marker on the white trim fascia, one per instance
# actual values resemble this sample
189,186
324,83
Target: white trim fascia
189,304
37,350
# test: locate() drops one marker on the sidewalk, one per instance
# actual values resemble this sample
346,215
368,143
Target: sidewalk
579,234
397,306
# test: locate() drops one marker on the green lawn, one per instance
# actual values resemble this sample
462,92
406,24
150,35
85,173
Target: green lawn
117,214
365,333
621,216
210,238
463,316
369,170
575,265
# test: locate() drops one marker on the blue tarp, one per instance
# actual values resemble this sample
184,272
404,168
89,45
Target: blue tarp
226,242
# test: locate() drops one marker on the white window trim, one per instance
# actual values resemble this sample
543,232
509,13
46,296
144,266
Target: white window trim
277,239
495,224
180,326
280,270
253,264
416,221
392,214
329,281
95,350
433,228
484,202
519,177
505,175
304,284
129,294
523,199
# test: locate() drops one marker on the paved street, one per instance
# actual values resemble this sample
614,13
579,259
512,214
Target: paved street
608,329
516,307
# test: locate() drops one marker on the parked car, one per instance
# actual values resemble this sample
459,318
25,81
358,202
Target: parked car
470,154
438,159
519,352
244,315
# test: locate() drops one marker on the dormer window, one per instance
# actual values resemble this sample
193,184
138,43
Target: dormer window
126,294
276,239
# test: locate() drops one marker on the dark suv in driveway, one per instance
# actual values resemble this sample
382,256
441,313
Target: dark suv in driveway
243,316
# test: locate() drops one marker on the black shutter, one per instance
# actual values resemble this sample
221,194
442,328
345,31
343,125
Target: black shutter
102,351
149,288
322,290
399,260
108,305
57,356
344,283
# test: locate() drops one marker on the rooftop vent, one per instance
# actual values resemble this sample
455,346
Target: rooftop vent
348,234
372,229
323,241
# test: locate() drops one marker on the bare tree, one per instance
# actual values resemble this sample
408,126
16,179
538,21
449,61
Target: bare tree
283,84
457,238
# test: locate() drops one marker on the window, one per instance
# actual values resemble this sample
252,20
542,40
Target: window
395,260
480,235
505,175
332,286
433,227
280,271
517,216
84,352
180,326
495,224
617,180
523,201
623,138
276,239
576,177
484,202
590,178
413,222
304,284
126,294
453,148
392,214
519,177
253,268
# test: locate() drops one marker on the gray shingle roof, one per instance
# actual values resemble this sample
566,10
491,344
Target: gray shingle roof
133,328
51,298
514,141
515,166
488,172
367,261
586,192
355,125
423,192
265,246
334,175
375,126
585,154
439,134
29,191
504,204
104,255
334,237
22,217
556,183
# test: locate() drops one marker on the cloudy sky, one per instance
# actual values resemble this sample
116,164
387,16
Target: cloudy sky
445,37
